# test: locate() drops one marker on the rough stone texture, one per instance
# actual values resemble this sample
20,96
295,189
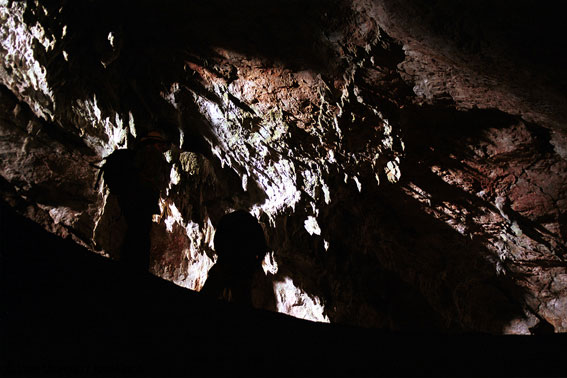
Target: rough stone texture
407,161
506,55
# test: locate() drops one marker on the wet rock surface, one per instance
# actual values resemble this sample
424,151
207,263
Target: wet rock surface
408,170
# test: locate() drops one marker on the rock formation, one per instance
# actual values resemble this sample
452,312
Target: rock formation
407,160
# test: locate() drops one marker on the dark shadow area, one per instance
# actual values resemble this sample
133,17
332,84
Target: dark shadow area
417,272
151,44
137,177
237,276
452,139
513,42
282,30
456,274
529,33
347,277
67,311
24,134
392,264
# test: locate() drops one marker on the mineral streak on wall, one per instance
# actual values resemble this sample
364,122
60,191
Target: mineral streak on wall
406,160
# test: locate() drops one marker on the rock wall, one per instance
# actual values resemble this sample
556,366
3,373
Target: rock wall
404,177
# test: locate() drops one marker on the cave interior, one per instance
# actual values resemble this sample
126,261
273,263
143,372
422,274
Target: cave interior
406,161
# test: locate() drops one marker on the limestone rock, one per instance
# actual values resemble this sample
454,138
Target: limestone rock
405,159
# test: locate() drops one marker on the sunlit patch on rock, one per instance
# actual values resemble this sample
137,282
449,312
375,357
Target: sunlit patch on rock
293,301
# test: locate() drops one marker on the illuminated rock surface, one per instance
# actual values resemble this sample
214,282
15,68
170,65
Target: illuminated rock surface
407,161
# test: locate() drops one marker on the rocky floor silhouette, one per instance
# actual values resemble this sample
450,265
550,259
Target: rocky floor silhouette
68,311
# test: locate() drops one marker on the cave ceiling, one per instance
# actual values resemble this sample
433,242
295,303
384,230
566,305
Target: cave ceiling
407,160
